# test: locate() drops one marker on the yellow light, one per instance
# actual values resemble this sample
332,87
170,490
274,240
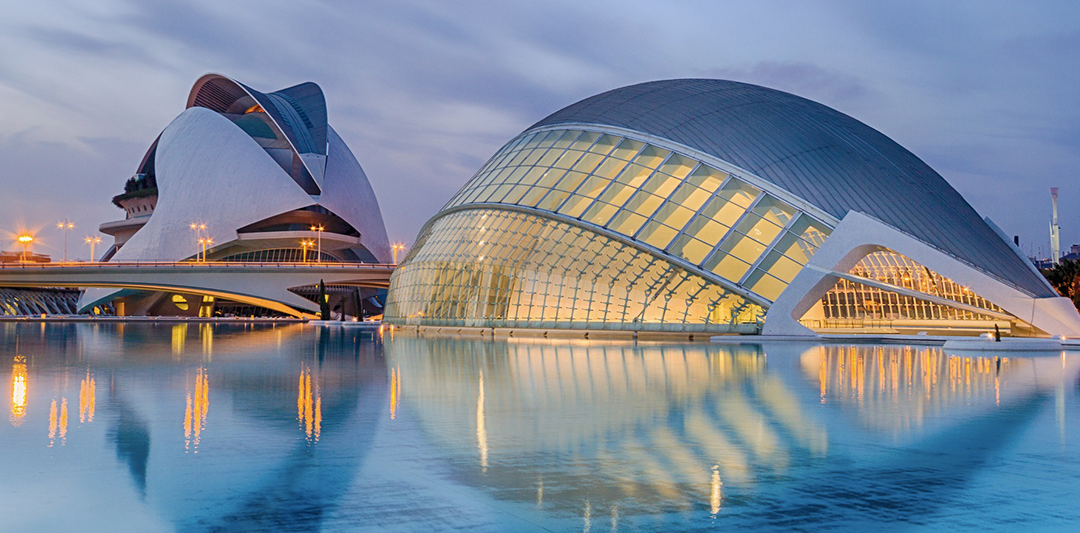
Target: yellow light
18,390
26,238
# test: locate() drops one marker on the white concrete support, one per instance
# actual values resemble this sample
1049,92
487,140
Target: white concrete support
859,235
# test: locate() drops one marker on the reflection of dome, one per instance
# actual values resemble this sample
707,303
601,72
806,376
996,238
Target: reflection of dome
255,172
693,205
642,423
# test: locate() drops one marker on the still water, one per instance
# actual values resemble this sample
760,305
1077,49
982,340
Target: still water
297,428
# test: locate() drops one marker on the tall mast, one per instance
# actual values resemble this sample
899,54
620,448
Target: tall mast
1055,231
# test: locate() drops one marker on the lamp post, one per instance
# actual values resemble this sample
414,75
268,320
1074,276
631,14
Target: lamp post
397,247
25,240
318,255
304,245
198,228
92,241
204,242
64,226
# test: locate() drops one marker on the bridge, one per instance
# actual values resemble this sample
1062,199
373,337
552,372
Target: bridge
262,284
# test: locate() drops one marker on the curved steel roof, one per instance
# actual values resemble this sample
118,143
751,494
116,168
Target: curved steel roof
815,152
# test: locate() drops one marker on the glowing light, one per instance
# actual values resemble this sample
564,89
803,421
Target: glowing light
196,412
715,495
395,391
18,390
309,406
481,429
87,398
397,247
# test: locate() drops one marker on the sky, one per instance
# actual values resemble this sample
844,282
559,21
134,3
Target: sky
424,92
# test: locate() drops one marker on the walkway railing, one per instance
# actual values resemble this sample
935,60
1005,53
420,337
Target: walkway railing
190,264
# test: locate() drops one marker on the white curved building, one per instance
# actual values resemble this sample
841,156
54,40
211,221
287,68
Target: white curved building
716,207
254,172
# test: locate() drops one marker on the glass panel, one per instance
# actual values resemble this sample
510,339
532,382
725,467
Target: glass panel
586,140
605,144
707,178
739,193
627,149
673,215
657,235
515,194
742,247
690,249
568,159
690,197
617,194
610,168
758,228
599,213
533,157
728,267
626,222
644,204
545,140
678,166
810,230
774,210
549,158
651,156
570,181
588,162
780,266
575,205
534,195
765,285
567,138
723,211
707,230
593,186
553,200
661,184
634,175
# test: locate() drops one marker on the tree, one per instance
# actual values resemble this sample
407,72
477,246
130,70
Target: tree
324,303
1065,277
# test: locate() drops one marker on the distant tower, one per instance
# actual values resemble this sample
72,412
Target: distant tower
1055,239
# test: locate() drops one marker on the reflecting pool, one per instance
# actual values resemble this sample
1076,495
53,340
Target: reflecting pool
174,427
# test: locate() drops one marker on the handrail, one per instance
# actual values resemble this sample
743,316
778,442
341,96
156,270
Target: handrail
191,264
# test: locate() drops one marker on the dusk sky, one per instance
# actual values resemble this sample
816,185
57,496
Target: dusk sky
424,92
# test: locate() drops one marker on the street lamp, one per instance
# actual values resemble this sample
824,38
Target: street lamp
92,241
204,241
25,240
319,228
198,228
397,247
304,245
64,226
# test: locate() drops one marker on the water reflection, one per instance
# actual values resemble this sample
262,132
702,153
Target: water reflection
517,434
656,429
309,406
18,390
197,409
87,398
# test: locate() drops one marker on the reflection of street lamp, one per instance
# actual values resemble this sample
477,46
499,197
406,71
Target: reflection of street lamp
92,241
318,255
304,245
64,226
25,240
397,247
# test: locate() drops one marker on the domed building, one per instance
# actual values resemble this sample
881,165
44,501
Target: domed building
711,206
245,176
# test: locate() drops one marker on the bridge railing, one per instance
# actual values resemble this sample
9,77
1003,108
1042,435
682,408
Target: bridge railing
194,265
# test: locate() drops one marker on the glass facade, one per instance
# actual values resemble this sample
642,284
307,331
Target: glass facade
279,255
498,268
849,301
661,199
